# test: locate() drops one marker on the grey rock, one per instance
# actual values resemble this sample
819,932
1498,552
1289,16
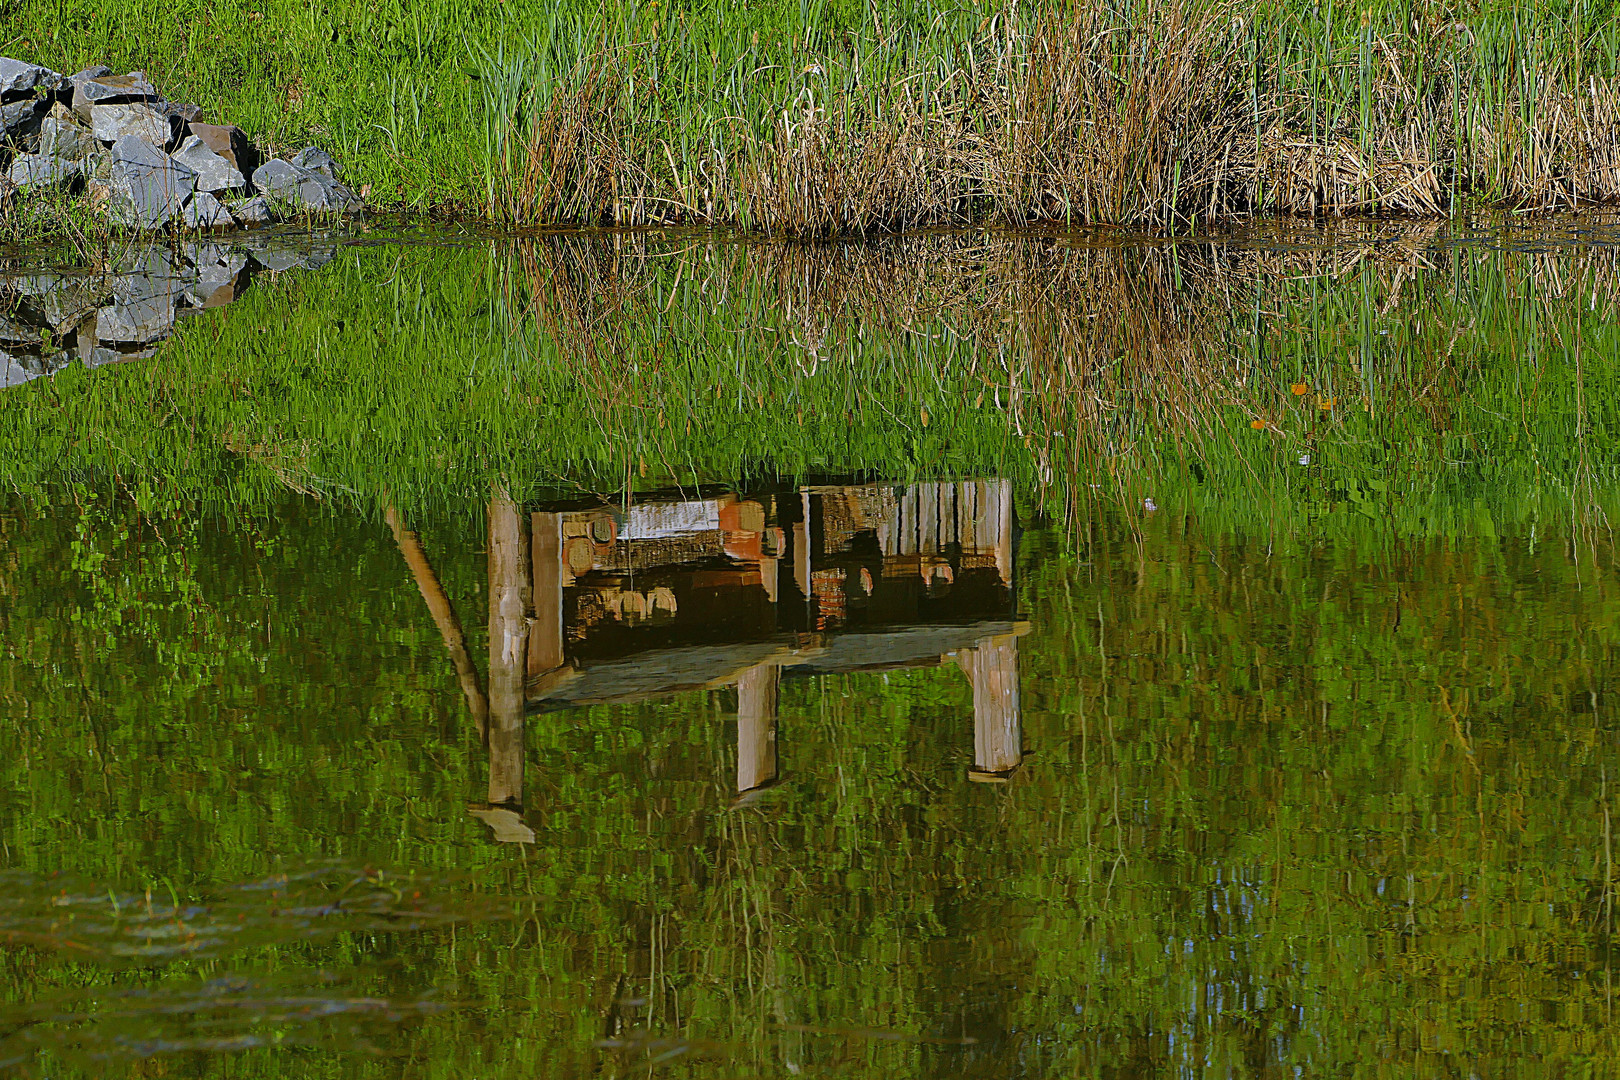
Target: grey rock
100,357
278,259
18,333
343,200
136,323
20,120
316,160
48,365
303,188
203,211
61,136
252,213
70,300
104,89
109,123
12,373
36,170
20,77
214,171
70,91
229,142
185,114
278,179
147,188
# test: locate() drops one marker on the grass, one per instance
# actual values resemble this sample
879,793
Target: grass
1375,381
817,117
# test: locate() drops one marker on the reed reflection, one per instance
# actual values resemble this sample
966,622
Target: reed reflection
595,604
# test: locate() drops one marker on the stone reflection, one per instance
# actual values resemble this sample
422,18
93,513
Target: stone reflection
123,309
594,604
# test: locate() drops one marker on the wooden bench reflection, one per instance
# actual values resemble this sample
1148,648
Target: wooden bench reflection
595,605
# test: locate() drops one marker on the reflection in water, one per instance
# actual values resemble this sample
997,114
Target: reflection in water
600,604
123,308
1323,692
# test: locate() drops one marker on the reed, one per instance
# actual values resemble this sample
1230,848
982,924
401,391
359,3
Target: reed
1161,114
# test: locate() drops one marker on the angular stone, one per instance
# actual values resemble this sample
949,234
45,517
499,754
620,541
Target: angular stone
203,211
12,373
109,123
35,170
103,89
20,120
136,323
61,136
184,113
215,172
252,213
230,143
316,160
212,291
100,357
147,188
302,188
19,77
17,333
278,179
71,91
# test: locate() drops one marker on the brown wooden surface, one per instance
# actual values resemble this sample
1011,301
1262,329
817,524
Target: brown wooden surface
757,689
508,647
998,734
546,636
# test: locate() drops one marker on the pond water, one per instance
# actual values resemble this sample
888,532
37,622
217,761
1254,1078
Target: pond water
962,655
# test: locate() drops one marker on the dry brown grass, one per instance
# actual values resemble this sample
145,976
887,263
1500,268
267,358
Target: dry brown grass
1172,117
1097,352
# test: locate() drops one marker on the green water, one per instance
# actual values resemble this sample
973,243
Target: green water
1116,766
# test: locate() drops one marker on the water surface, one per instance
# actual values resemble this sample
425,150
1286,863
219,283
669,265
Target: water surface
1072,658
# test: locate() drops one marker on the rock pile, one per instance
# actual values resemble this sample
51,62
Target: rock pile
50,319
145,162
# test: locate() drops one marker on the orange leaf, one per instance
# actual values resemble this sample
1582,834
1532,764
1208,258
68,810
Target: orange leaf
1299,389
1325,404
1257,424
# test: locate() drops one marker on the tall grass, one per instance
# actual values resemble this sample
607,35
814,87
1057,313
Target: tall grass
820,117
1374,374
1156,113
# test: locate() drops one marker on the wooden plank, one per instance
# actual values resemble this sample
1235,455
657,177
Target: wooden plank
998,735
546,635
757,693
509,597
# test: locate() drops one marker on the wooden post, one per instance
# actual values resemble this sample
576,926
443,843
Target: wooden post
998,734
444,617
508,648
546,636
757,695
801,550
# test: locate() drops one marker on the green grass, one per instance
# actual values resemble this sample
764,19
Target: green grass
826,116
1476,393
